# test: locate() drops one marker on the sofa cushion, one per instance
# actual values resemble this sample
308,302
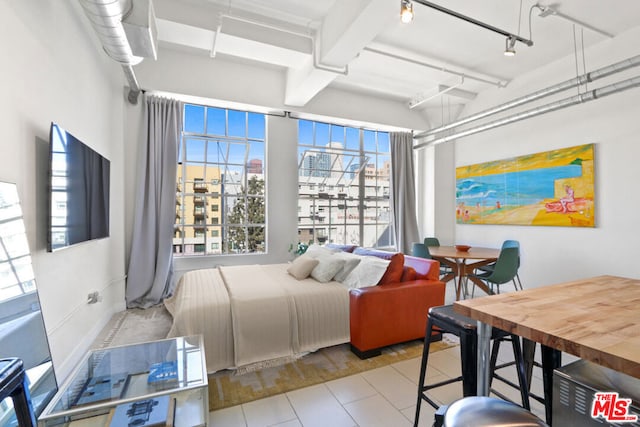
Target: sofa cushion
316,250
351,261
328,266
408,274
367,273
342,248
373,252
393,273
302,266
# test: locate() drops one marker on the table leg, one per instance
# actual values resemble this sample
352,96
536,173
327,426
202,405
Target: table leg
484,354
551,359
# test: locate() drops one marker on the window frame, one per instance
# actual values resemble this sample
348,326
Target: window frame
371,188
219,177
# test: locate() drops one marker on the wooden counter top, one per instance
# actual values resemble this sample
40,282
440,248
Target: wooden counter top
597,319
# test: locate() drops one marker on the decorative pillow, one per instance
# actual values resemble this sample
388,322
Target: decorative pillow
342,248
409,274
367,273
317,250
373,252
394,270
328,266
350,262
302,266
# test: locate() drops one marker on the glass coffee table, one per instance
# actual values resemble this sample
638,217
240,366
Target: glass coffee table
159,383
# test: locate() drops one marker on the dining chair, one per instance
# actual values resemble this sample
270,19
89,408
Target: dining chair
422,250
433,241
490,267
504,270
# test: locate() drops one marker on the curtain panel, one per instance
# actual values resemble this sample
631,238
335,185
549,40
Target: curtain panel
403,192
149,276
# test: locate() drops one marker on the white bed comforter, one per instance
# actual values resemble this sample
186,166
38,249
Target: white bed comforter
250,314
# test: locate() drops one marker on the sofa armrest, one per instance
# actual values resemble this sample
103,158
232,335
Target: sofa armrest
392,313
425,268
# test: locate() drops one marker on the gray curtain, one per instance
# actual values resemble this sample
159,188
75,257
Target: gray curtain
403,192
151,262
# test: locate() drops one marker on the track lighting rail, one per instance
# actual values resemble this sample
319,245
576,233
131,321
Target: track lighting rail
475,21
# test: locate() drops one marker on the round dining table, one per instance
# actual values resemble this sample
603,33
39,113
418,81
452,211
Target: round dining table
460,268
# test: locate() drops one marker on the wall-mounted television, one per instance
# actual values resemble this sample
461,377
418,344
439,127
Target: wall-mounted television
78,191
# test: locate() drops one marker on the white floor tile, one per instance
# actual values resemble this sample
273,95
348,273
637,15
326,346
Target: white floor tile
376,412
446,361
411,370
269,411
228,417
394,386
427,413
350,389
316,406
293,423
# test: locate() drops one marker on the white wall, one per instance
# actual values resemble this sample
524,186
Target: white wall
556,254
53,70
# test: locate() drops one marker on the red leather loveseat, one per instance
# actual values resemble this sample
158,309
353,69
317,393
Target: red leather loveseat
396,310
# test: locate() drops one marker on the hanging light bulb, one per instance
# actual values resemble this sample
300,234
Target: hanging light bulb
406,11
510,46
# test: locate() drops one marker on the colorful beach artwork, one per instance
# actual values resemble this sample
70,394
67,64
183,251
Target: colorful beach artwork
552,188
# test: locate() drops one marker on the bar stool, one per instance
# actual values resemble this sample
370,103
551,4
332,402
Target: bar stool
482,411
448,321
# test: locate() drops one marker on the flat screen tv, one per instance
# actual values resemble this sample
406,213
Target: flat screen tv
78,191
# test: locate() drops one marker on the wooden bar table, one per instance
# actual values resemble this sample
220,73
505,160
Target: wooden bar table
457,260
596,319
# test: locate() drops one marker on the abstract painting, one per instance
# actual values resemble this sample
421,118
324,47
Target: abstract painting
554,188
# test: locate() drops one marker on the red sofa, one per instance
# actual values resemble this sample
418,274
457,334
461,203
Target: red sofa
395,311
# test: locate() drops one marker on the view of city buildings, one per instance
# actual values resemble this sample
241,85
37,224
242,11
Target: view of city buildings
220,191
343,197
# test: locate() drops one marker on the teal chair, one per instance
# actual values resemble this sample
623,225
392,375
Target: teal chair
422,250
505,270
490,267
431,241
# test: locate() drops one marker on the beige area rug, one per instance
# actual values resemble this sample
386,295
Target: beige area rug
135,326
227,388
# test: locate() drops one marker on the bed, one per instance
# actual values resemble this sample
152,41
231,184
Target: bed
255,315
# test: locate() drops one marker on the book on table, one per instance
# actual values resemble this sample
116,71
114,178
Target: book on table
163,373
153,412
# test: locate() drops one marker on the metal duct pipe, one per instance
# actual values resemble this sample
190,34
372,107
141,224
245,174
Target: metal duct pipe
106,18
585,78
134,87
567,102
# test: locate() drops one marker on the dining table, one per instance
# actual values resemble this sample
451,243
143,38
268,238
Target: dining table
596,319
463,263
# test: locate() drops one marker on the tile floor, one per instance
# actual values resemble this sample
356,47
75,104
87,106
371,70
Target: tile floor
384,397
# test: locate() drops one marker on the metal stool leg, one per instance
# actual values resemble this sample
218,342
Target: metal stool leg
423,370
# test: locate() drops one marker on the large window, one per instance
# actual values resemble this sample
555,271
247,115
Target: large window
220,200
343,185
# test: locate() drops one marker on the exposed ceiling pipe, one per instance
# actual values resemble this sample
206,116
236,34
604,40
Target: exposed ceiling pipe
496,82
106,18
585,78
567,102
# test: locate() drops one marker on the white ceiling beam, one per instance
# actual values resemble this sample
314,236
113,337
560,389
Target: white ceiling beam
290,53
346,30
351,25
